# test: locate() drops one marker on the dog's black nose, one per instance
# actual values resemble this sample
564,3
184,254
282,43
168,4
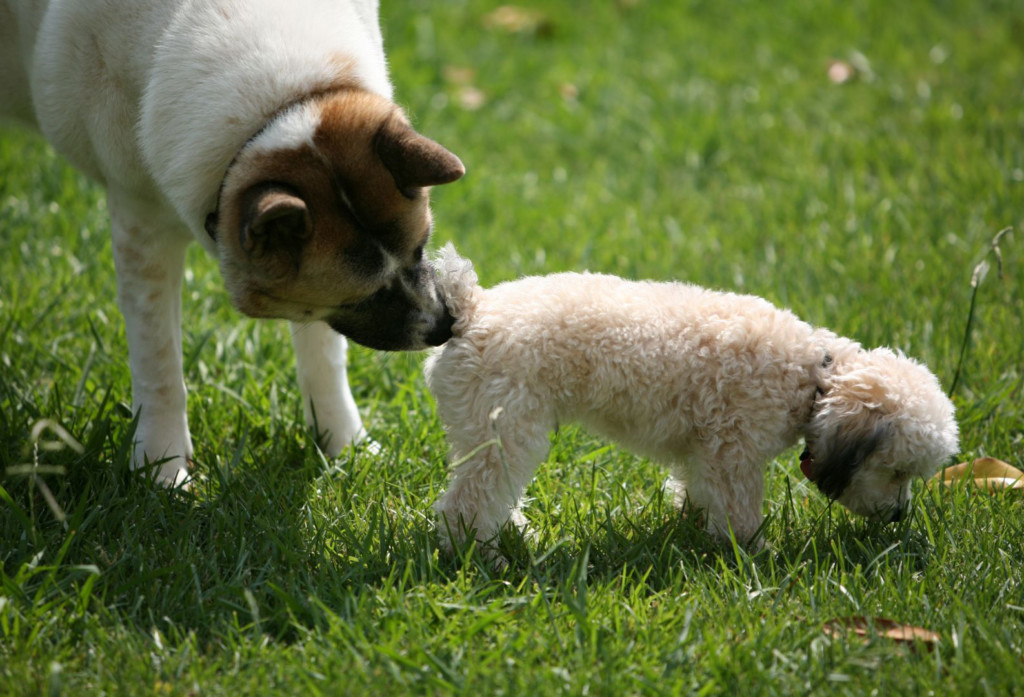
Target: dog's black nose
442,330
897,515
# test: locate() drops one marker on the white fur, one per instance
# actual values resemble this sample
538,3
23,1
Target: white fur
287,47
154,98
711,384
291,130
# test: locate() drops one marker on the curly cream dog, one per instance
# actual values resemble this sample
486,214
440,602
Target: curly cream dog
711,384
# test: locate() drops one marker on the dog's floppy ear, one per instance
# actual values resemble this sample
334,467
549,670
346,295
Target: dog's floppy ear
414,160
273,215
843,453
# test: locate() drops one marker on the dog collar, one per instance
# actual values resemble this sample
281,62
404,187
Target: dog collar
806,458
807,464
826,363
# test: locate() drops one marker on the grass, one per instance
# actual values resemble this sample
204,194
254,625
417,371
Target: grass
699,141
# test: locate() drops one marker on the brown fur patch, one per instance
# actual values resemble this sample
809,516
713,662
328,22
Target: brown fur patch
349,125
355,207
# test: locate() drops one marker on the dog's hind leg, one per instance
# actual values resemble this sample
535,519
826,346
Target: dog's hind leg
320,358
149,255
494,463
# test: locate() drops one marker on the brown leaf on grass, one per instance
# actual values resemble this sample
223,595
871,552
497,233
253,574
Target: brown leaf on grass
569,91
467,95
868,627
519,20
471,98
986,473
459,75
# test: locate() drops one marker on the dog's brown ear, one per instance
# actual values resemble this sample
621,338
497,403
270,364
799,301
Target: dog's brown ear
844,453
273,215
414,160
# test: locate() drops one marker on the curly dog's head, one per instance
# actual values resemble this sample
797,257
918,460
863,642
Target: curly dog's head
882,420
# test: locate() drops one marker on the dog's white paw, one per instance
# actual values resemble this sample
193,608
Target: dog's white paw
335,441
451,534
454,536
172,473
677,489
175,474
362,445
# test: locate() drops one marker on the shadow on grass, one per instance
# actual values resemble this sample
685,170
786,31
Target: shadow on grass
254,548
93,535
662,548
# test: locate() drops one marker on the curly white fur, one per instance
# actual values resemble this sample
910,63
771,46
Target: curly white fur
711,384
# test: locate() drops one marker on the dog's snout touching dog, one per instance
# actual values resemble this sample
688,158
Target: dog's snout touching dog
442,328
406,314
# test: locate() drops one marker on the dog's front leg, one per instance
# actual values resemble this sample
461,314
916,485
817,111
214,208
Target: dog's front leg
320,357
149,255
727,486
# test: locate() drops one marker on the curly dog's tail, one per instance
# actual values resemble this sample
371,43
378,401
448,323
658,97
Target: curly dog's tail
458,286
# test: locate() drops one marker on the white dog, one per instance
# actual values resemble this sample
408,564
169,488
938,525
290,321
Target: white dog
264,129
711,384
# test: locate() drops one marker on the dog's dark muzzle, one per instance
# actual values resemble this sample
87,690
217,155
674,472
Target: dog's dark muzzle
405,315
442,330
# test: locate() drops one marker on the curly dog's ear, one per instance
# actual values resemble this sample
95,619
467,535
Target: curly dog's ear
842,454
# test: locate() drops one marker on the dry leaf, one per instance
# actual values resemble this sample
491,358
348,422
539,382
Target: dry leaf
986,473
880,627
568,91
519,20
471,98
460,76
840,72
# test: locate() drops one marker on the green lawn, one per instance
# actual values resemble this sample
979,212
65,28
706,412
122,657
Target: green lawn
652,139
